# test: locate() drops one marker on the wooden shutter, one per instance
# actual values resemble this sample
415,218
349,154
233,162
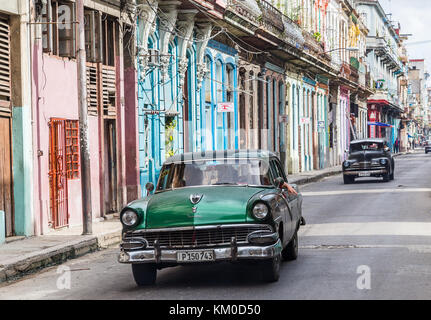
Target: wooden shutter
109,91
5,74
92,88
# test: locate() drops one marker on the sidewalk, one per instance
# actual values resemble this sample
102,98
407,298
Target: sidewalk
31,254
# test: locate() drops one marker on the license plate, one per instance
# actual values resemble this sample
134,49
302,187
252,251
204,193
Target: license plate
195,256
364,174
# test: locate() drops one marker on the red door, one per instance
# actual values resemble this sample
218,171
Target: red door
58,174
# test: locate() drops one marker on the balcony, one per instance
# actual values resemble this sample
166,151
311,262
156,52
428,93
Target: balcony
312,45
345,70
243,14
387,95
271,18
384,52
293,33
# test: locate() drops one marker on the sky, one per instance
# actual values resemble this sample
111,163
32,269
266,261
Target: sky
415,18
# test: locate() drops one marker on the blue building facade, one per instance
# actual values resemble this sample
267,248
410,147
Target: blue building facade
180,98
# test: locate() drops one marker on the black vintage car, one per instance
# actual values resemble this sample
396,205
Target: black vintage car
427,146
368,158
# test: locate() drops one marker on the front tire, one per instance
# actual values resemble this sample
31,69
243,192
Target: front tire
348,179
386,177
271,269
291,251
144,274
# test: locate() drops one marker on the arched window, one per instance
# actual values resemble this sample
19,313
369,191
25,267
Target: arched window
219,98
208,104
251,91
230,85
260,103
207,79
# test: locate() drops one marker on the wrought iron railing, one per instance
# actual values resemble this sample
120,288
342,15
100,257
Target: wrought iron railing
271,16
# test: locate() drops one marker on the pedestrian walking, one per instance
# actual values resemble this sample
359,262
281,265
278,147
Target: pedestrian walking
397,145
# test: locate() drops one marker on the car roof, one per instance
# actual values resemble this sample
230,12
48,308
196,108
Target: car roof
373,140
222,154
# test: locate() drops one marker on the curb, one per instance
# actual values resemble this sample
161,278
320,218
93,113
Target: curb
317,177
33,262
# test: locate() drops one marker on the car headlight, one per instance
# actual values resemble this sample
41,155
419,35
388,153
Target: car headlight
383,161
260,211
346,164
129,218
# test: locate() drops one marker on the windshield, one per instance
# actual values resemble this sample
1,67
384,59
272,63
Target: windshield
366,146
214,172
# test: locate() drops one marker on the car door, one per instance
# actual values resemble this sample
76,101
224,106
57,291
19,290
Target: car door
285,204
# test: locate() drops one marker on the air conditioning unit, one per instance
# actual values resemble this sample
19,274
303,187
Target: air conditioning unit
153,57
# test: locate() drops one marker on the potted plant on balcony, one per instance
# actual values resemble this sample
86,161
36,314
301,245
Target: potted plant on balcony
317,36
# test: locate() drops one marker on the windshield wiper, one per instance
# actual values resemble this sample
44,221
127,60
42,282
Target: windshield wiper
224,183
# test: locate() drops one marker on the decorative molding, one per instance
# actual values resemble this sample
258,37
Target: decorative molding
167,32
147,15
222,47
202,34
185,25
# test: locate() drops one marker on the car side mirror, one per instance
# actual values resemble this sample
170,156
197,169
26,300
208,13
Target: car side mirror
279,182
150,187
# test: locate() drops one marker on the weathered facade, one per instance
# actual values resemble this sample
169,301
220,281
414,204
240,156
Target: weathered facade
15,121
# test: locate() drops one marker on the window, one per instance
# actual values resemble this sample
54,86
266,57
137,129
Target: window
214,172
230,98
208,80
72,149
59,30
277,171
93,39
100,37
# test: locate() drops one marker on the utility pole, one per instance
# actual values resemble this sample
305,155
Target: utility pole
83,123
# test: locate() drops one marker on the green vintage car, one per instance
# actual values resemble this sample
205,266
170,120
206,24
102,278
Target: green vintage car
211,207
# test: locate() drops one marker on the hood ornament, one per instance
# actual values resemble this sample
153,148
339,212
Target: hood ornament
195,198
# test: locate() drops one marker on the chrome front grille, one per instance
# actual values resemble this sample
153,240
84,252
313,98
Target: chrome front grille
365,165
196,237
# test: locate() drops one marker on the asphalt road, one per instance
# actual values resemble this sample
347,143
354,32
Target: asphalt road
368,240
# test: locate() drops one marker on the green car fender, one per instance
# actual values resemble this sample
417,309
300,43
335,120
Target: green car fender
269,197
140,207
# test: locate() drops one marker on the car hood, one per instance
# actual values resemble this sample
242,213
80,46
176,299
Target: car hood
366,155
218,204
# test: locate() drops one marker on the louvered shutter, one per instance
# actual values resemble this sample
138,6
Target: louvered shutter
5,74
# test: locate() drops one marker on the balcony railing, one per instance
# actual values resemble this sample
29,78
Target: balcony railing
271,16
249,12
311,43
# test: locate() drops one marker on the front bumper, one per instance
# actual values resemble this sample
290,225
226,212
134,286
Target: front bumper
374,172
231,253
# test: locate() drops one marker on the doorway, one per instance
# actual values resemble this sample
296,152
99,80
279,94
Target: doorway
110,177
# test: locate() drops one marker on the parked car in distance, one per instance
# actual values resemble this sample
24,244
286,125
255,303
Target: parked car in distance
427,146
368,158
212,207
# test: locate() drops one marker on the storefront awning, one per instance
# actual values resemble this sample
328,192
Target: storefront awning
380,124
